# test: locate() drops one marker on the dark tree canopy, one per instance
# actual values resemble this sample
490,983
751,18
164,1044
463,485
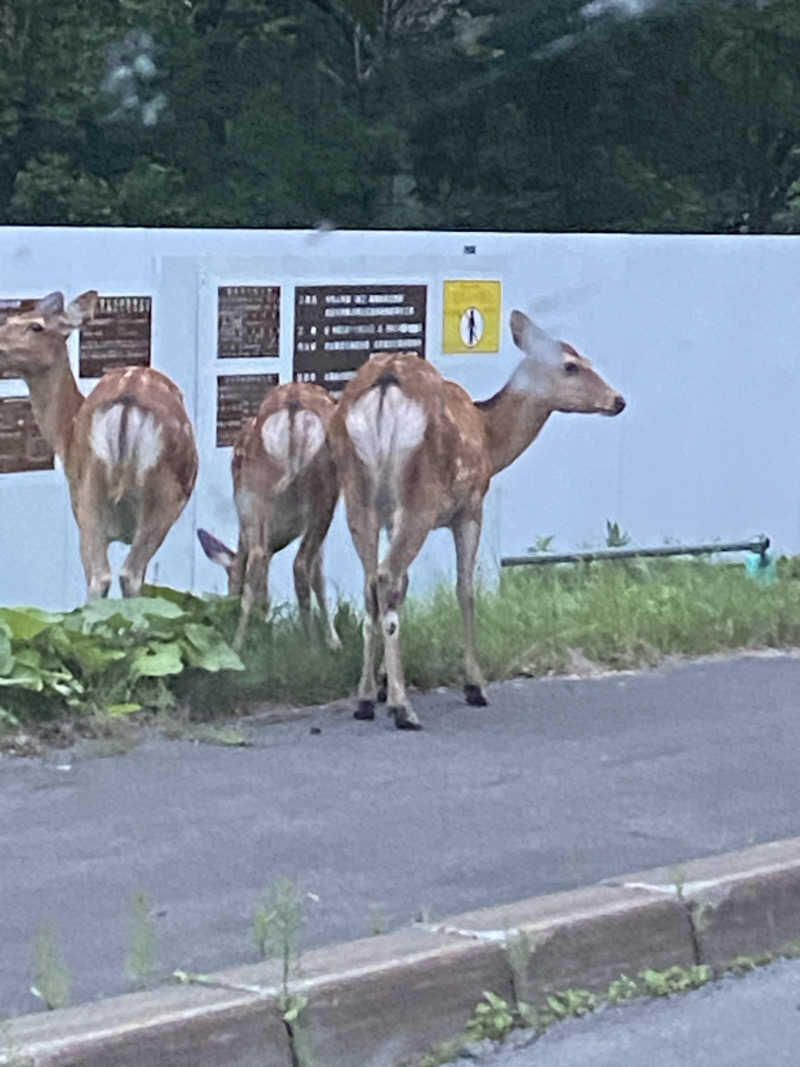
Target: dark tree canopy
631,115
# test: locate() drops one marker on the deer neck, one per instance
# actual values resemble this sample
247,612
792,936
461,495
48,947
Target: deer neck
55,400
513,418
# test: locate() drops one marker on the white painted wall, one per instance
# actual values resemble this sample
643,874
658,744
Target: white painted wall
701,334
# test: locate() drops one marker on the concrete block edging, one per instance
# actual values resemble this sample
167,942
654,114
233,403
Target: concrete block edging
382,1000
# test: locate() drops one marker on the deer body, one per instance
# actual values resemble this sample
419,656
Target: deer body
285,487
127,450
414,453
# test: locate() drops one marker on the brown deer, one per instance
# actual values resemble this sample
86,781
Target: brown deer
415,453
127,449
284,487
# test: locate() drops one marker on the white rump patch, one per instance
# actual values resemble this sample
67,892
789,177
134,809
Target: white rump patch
292,441
385,425
142,445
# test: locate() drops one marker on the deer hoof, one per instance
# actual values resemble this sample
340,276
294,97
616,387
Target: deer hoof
383,689
475,695
365,710
405,719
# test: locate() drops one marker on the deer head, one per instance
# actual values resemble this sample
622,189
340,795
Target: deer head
33,340
554,372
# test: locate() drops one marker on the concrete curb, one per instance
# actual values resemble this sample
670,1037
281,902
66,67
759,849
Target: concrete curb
382,1000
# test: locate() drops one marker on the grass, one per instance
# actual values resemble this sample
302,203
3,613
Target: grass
615,614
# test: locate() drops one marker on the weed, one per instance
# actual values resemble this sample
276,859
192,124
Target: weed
673,980
141,959
567,1003
541,544
276,924
623,988
492,1018
377,920
615,536
50,975
519,951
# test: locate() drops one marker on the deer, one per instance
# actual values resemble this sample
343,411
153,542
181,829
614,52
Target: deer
284,487
415,453
127,449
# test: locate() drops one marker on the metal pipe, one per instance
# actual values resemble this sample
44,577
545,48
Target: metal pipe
759,545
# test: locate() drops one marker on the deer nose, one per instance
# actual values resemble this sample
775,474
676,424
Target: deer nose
619,404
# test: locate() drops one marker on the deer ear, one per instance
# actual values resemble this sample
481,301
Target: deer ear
534,342
216,550
79,311
49,306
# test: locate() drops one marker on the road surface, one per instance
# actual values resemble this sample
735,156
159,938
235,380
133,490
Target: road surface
559,783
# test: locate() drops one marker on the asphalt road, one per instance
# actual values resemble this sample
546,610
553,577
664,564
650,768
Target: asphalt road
558,783
747,1021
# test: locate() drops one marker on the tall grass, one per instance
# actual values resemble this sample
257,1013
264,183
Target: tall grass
617,614
614,613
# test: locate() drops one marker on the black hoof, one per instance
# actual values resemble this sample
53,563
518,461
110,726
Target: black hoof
383,686
404,721
475,696
365,710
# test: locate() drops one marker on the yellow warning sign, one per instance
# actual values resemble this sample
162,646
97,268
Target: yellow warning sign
471,316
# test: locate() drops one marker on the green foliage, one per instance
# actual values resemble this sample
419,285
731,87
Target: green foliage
673,980
276,924
155,112
623,988
492,1018
569,1002
141,959
50,976
109,658
616,537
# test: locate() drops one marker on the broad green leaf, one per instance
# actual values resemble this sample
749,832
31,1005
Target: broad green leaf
6,655
204,648
26,623
158,661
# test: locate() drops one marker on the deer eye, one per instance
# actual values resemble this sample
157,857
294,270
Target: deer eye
36,327
571,368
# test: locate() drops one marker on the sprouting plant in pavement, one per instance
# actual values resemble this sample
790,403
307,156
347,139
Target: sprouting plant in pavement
50,975
519,953
141,958
492,1018
276,925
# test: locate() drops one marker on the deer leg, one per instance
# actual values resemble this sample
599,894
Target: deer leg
255,590
364,530
318,585
466,534
94,556
158,512
383,677
308,574
392,586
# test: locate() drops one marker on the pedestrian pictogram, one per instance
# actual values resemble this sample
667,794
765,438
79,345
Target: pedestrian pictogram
471,316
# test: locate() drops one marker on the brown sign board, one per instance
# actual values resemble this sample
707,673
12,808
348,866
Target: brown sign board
248,321
239,397
8,307
22,447
338,327
117,336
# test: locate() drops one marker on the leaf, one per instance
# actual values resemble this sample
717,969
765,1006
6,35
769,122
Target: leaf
205,648
117,711
25,623
157,662
6,655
